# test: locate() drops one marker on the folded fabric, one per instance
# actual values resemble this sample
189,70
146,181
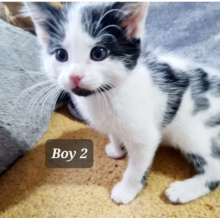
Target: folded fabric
22,122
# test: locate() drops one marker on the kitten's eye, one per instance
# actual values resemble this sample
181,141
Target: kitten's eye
61,55
98,53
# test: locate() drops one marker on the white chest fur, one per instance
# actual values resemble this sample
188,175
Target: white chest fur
124,108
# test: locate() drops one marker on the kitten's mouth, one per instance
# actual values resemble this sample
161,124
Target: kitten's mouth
86,92
82,92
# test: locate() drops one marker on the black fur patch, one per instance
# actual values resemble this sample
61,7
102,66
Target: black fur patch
215,86
144,178
212,185
172,108
123,148
63,98
201,103
213,121
104,88
199,85
197,161
171,82
200,82
215,149
111,34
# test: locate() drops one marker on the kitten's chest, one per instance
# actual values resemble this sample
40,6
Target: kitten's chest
102,113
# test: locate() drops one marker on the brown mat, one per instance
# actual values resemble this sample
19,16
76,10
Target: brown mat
30,189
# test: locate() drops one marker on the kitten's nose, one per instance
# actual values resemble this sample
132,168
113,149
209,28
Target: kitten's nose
75,80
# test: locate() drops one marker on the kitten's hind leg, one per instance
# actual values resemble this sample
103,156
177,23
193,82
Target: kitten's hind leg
207,179
115,148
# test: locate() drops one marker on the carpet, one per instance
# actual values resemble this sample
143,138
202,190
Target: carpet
30,189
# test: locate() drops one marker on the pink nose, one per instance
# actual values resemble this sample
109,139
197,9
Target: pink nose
75,80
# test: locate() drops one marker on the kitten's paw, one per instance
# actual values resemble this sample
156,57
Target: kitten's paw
179,192
123,194
114,152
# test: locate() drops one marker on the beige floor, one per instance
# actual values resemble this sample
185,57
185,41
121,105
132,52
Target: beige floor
30,189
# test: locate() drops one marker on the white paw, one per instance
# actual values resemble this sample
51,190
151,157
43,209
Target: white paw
123,194
180,192
114,152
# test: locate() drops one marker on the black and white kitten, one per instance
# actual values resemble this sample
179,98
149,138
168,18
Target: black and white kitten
139,98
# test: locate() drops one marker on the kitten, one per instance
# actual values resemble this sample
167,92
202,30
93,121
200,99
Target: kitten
139,98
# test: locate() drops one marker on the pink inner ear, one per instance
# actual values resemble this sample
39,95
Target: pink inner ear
131,23
43,35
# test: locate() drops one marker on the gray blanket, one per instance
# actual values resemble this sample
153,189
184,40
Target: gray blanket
192,29
189,28
20,128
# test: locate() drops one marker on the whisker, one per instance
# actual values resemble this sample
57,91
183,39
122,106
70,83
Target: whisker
31,72
105,100
42,97
51,100
60,96
53,93
39,94
98,97
24,92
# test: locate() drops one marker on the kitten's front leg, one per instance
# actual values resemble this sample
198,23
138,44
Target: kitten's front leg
115,148
140,156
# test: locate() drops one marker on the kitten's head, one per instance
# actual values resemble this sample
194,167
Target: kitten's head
89,47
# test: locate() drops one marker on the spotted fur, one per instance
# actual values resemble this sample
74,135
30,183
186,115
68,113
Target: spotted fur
144,178
213,121
215,149
197,161
212,185
137,96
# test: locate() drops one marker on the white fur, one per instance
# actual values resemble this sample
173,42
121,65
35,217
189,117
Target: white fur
134,119
133,111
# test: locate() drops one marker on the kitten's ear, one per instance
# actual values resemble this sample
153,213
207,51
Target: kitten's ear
40,12
134,17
